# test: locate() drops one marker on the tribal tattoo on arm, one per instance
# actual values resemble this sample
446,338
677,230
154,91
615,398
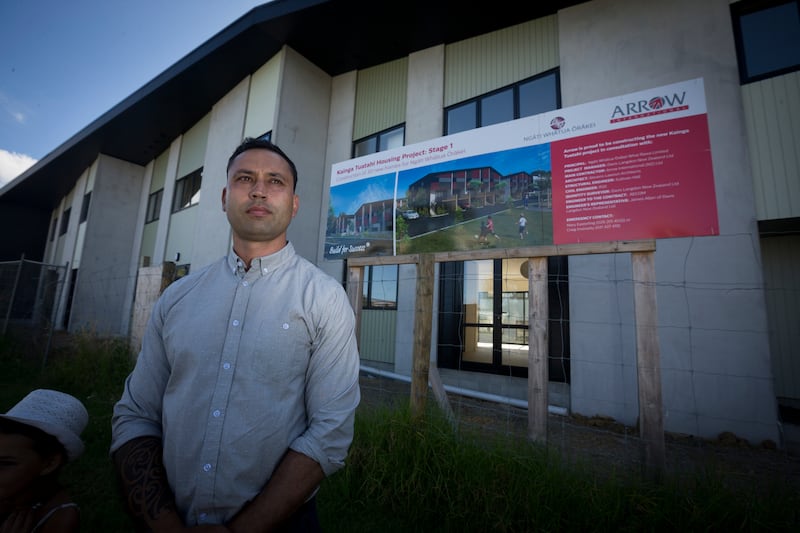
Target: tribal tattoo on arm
143,482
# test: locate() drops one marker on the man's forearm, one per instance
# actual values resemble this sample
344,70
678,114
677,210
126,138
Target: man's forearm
144,486
294,480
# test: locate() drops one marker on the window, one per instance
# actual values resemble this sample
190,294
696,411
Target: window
64,222
498,107
385,140
767,36
523,99
187,191
538,95
87,198
380,287
462,117
153,206
73,279
265,137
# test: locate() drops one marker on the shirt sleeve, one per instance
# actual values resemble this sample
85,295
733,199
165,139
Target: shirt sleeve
138,412
332,389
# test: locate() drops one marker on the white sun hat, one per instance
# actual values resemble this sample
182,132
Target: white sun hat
57,414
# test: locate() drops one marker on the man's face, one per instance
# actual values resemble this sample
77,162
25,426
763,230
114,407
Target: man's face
259,199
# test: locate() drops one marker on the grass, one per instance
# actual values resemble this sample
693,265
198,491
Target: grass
407,473
462,236
418,474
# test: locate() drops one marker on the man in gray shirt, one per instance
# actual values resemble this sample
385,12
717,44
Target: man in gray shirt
244,393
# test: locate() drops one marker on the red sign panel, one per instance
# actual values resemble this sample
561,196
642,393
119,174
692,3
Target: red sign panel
648,181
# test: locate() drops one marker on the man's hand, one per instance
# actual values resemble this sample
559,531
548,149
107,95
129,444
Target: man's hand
294,480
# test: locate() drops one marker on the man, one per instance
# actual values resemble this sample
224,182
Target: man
244,393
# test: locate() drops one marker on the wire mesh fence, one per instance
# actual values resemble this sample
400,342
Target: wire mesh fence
30,292
601,445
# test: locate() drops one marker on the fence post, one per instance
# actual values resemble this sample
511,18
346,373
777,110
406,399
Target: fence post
13,294
537,349
421,357
648,363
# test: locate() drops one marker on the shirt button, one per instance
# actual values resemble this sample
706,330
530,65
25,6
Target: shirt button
207,467
235,322
245,284
265,270
226,366
216,413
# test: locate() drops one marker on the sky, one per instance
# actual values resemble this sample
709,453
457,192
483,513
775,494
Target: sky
64,64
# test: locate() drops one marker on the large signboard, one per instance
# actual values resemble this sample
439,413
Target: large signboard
631,167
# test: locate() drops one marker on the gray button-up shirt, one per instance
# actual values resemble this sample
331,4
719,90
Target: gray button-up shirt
235,368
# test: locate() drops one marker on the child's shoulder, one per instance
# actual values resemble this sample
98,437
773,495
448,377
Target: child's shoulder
64,518
59,514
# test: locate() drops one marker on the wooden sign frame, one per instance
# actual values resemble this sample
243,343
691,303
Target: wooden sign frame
651,422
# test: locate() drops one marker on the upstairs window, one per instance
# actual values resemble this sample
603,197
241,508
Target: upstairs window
153,206
526,98
187,191
87,198
767,36
64,222
385,140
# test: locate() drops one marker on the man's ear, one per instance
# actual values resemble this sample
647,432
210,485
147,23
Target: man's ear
224,194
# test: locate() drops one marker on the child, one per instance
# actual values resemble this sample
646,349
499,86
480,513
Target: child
38,436
522,223
484,229
487,228
490,227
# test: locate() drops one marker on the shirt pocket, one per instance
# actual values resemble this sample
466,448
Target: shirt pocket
282,351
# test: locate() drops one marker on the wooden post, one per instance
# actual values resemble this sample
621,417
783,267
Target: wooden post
537,349
441,394
421,357
355,280
648,362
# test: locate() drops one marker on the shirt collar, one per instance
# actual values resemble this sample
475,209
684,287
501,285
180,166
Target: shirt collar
260,265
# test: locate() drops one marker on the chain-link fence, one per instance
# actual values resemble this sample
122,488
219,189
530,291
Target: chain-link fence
30,292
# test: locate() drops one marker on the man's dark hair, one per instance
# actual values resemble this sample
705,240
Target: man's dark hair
250,143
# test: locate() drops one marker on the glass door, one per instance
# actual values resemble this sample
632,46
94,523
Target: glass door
483,319
495,314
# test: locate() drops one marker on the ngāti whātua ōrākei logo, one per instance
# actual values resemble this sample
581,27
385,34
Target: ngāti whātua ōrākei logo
557,123
656,105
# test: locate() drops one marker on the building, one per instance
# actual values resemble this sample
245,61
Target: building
330,80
